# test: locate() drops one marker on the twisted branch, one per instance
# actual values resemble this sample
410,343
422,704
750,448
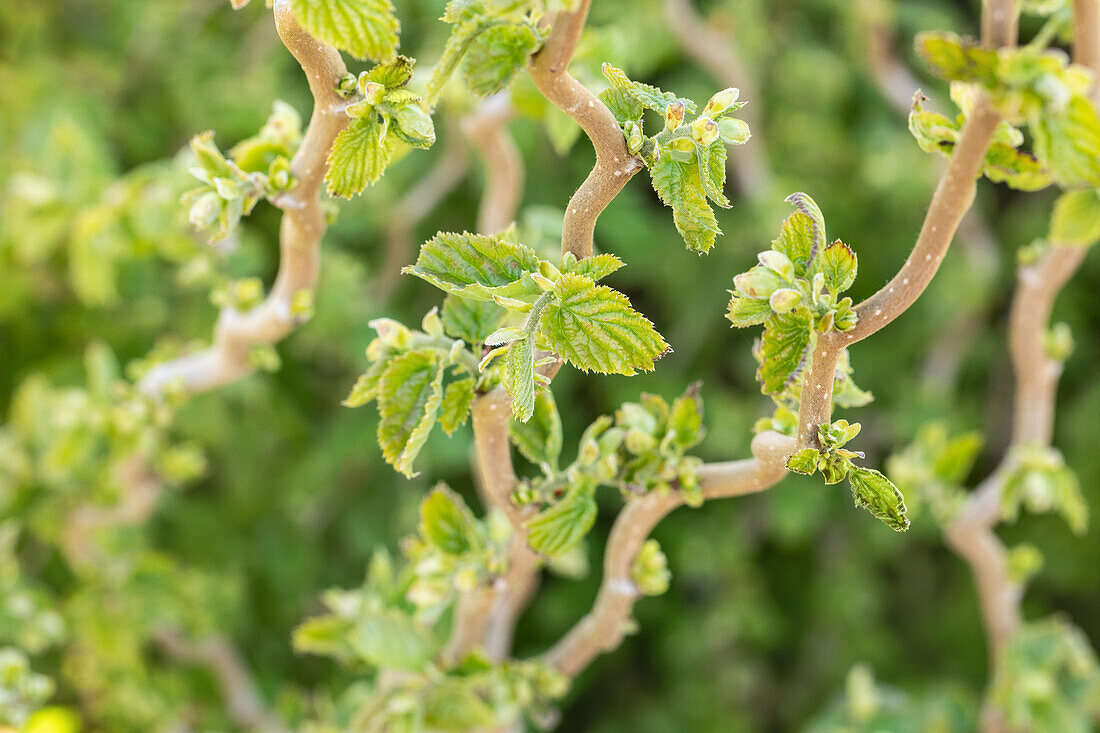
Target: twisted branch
952,198
303,226
971,535
897,84
243,699
615,166
603,628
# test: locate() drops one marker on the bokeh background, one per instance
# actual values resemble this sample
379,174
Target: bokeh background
774,597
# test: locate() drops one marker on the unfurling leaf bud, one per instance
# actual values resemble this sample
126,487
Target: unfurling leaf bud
757,283
674,115
347,86
634,137
392,333
784,300
545,284
649,570
778,263
204,212
734,131
372,91
415,125
704,131
1059,342
721,101
432,324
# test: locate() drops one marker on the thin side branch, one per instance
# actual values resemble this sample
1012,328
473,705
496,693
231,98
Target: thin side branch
897,85
243,700
487,131
952,198
971,535
303,226
603,628
615,166
418,202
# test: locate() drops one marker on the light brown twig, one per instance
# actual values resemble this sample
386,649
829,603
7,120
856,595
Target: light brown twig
243,700
971,535
303,226
603,628
614,164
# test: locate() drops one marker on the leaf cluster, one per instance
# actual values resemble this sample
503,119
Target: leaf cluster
871,490
931,471
548,308
1048,679
406,379
795,293
1039,480
1029,85
686,160
642,448
257,167
385,118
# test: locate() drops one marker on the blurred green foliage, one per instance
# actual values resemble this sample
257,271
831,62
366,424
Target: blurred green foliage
773,598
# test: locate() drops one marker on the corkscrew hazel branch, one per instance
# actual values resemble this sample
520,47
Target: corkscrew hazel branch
302,228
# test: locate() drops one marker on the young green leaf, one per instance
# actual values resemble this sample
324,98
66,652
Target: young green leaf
956,59
359,156
839,265
363,28
1016,169
596,267
458,398
409,395
389,639
497,54
681,188
796,240
474,265
366,387
518,376
470,320
804,462
540,438
627,99
554,531
1067,141
594,328
744,312
809,207
712,171
875,493
685,419
447,523
784,348
1076,219
454,704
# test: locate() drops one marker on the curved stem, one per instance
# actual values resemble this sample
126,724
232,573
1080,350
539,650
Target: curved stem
615,166
952,198
603,628
243,700
300,234
971,535
487,132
